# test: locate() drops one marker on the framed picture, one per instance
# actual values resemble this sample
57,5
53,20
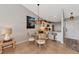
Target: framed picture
30,22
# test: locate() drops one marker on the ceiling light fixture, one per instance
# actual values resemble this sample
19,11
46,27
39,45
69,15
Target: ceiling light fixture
38,20
38,10
71,16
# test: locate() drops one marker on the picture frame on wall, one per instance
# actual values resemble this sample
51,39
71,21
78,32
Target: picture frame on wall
30,22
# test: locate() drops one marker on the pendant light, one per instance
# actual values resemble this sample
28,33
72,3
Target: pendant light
38,20
38,10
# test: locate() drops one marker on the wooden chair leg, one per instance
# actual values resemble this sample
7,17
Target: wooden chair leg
14,44
0,48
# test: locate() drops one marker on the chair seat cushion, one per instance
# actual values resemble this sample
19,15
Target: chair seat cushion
40,41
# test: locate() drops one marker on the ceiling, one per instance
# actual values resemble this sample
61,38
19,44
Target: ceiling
53,12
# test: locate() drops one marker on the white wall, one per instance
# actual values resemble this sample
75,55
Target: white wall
72,30
15,15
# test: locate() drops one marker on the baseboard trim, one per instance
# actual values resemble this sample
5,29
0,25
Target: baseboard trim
21,42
